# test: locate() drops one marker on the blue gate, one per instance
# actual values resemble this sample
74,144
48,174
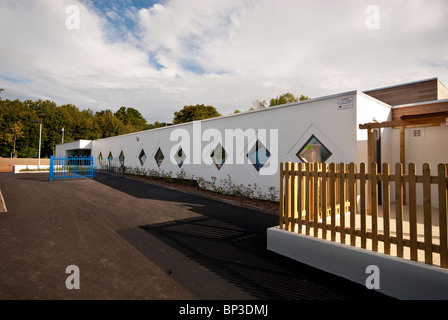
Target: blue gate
84,167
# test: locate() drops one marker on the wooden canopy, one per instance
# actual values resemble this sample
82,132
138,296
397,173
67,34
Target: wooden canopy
430,114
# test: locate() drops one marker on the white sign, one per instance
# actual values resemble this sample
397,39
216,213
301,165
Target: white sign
345,103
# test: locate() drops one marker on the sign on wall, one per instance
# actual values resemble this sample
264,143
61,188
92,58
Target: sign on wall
345,103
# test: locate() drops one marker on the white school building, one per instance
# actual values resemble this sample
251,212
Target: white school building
401,123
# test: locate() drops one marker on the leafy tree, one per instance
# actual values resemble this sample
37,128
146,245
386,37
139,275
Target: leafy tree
158,124
192,113
85,124
303,98
12,134
283,99
132,118
109,125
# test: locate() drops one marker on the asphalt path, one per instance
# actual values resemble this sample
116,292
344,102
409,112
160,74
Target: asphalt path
132,240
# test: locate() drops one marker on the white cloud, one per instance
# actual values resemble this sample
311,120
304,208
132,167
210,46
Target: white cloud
225,53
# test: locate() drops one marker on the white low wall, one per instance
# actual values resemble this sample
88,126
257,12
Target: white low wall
18,168
398,278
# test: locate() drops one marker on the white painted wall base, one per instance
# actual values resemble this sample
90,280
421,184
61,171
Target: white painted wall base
398,278
17,168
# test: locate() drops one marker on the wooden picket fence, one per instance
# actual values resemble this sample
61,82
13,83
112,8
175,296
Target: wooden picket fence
339,203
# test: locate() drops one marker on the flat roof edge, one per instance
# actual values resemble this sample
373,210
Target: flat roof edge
402,84
420,103
287,105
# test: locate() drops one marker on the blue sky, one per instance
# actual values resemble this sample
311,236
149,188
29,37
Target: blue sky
158,56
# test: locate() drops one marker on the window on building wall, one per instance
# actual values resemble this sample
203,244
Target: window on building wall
121,157
159,157
219,156
110,157
100,157
314,151
258,155
142,157
180,157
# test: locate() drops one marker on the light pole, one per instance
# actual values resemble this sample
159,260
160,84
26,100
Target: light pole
40,138
62,135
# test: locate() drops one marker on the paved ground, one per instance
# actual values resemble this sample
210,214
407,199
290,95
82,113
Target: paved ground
133,240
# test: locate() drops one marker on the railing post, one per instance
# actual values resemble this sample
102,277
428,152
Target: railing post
51,169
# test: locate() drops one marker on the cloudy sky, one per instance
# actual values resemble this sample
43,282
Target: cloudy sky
158,56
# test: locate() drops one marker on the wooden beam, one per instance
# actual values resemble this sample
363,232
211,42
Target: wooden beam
433,121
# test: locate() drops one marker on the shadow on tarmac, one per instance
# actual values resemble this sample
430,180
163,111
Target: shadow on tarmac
221,253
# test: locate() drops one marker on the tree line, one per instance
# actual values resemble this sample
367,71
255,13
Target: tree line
19,123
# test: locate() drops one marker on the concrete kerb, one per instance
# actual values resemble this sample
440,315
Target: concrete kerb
398,278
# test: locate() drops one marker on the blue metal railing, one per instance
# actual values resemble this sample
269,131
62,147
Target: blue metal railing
109,167
84,167
71,167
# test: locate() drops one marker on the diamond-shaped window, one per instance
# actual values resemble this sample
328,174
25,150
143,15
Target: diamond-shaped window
219,156
110,157
142,157
314,151
159,157
121,157
180,157
100,157
258,155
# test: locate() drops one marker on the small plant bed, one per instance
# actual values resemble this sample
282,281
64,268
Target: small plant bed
238,195
34,170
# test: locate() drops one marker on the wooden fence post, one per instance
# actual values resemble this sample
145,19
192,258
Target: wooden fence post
288,195
293,198
333,200
352,190
324,200
374,205
386,207
342,200
300,196
399,208
413,211
443,221
282,196
308,193
427,212
363,204
316,198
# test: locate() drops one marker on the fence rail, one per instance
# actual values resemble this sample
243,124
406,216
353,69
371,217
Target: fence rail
339,203
84,167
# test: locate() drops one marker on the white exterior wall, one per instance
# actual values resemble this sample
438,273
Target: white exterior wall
336,128
61,149
430,147
370,110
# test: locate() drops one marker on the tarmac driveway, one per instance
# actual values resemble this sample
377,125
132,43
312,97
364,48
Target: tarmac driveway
134,240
